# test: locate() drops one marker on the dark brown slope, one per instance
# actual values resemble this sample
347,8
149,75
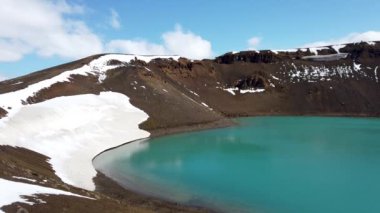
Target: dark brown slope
174,95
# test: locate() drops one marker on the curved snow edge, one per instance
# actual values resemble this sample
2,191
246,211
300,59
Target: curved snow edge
71,130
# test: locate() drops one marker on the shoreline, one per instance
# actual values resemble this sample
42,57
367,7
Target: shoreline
224,123
103,181
182,129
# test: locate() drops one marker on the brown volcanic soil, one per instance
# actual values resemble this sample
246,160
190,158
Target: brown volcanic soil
167,94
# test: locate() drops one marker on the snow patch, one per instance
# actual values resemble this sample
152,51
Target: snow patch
23,178
12,192
251,91
204,104
375,72
338,47
315,50
231,90
274,51
194,93
17,83
357,67
72,130
288,50
322,73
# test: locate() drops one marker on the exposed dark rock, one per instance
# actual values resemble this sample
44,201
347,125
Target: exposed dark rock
256,81
2,112
248,56
114,62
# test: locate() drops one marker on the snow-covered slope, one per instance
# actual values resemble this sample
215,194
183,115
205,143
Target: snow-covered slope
72,130
14,191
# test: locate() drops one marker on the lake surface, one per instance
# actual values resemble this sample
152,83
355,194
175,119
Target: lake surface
266,164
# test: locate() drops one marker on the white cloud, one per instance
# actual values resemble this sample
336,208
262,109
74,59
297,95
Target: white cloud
41,26
12,50
253,43
2,78
187,44
176,42
48,28
140,47
114,20
350,38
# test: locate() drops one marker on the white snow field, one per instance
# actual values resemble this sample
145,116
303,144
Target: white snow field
72,130
12,192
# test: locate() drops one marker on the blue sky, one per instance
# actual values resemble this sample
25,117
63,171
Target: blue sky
37,34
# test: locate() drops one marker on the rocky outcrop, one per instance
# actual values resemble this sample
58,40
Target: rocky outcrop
362,50
2,112
253,81
248,56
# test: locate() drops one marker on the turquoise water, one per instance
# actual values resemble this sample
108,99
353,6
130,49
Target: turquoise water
266,164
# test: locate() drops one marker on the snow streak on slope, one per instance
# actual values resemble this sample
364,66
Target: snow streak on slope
234,90
314,74
72,130
12,192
